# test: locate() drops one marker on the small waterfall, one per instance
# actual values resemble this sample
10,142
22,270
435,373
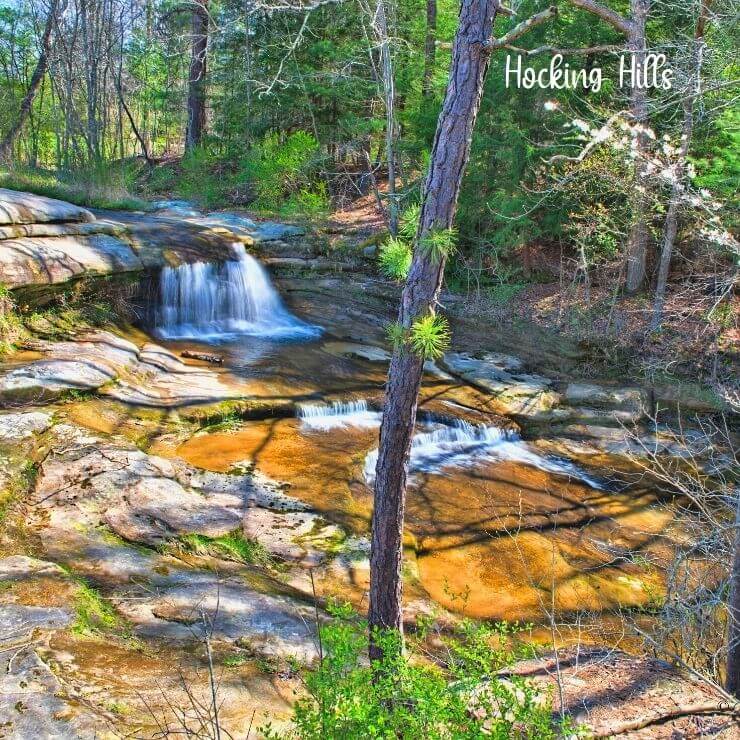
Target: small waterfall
460,444
337,415
212,302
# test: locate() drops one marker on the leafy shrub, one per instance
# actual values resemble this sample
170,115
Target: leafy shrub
281,167
405,696
310,204
395,259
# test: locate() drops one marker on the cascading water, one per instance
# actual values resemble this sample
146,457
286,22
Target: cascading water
216,302
337,415
462,443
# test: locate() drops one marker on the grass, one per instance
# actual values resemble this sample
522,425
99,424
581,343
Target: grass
232,546
98,187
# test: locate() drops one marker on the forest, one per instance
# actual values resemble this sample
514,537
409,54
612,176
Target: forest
369,368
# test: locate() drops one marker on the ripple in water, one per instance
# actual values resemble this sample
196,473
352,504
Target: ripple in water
322,417
217,302
462,444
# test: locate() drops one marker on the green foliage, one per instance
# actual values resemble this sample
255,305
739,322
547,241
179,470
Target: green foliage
438,244
11,325
395,259
232,546
309,204
406,696
97,186
396,334
278,167
409,222
430,336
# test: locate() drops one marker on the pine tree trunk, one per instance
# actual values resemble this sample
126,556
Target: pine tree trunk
450,152
639,232
197,81
430,48
6,146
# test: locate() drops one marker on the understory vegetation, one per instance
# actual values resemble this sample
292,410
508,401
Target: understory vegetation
456,693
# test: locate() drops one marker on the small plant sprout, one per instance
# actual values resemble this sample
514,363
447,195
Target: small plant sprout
396,334
409,221
430,336
395,259
438,244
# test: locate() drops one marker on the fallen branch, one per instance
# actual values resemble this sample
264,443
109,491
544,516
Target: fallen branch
687,711
204,356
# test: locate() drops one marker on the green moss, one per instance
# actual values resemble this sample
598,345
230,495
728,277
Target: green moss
233,661
93,613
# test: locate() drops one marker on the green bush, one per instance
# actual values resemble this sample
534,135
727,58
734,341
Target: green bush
405,695
279,168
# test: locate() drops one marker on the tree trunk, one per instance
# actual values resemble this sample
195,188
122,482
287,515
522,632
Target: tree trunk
430,48
639,232
733,608
197,81
677,189
389,94
6,146
450,152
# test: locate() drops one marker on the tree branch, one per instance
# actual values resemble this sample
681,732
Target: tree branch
517,32
606,14
524,27
565,52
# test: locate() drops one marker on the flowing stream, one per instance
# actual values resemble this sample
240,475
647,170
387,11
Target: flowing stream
217,302
455,445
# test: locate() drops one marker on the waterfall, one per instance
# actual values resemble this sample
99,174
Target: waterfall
212,302
460,444
337,415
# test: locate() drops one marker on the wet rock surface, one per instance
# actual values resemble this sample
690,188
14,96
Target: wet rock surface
105,362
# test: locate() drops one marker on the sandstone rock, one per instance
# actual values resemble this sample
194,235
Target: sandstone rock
231,219
102,361
83,228
589,394
268,231
88,482
513,392
33,703
300,536
26,208
21,567
367,352
176,209
51,260
17,426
